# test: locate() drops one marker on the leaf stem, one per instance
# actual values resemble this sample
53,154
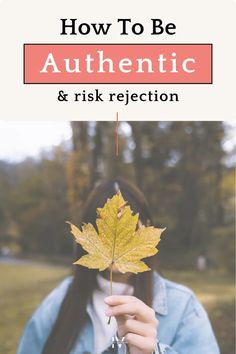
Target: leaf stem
109,320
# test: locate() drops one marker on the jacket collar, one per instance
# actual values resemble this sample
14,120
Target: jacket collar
159,295
159,303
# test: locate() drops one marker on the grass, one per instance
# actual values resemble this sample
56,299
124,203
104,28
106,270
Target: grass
22,289
24,286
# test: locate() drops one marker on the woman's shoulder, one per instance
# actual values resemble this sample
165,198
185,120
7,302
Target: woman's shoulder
49,307
171,296
60,290
183,319
177,288
165,285
41,322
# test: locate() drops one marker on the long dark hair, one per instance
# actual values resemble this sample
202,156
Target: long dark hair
72,315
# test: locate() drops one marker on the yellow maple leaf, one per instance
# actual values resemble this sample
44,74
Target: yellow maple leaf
117,240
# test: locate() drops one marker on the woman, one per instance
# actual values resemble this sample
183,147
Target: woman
149,313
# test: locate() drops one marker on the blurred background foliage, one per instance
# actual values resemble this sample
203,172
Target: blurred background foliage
188,179
181,167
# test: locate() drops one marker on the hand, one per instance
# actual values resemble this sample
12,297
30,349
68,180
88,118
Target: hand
136,322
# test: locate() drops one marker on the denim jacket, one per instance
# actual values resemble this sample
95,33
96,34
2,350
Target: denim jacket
184,327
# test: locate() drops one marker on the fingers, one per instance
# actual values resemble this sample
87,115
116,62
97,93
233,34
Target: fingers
119,299
147,345
136,322
130,309
139,328
129,305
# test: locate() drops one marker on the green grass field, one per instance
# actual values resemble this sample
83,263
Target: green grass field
24,286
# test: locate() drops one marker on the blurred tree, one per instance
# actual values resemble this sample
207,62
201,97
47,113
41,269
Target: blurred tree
93,158
5,185
79,168
38,204
180,166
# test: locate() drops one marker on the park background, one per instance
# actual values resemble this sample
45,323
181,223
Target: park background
185,169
